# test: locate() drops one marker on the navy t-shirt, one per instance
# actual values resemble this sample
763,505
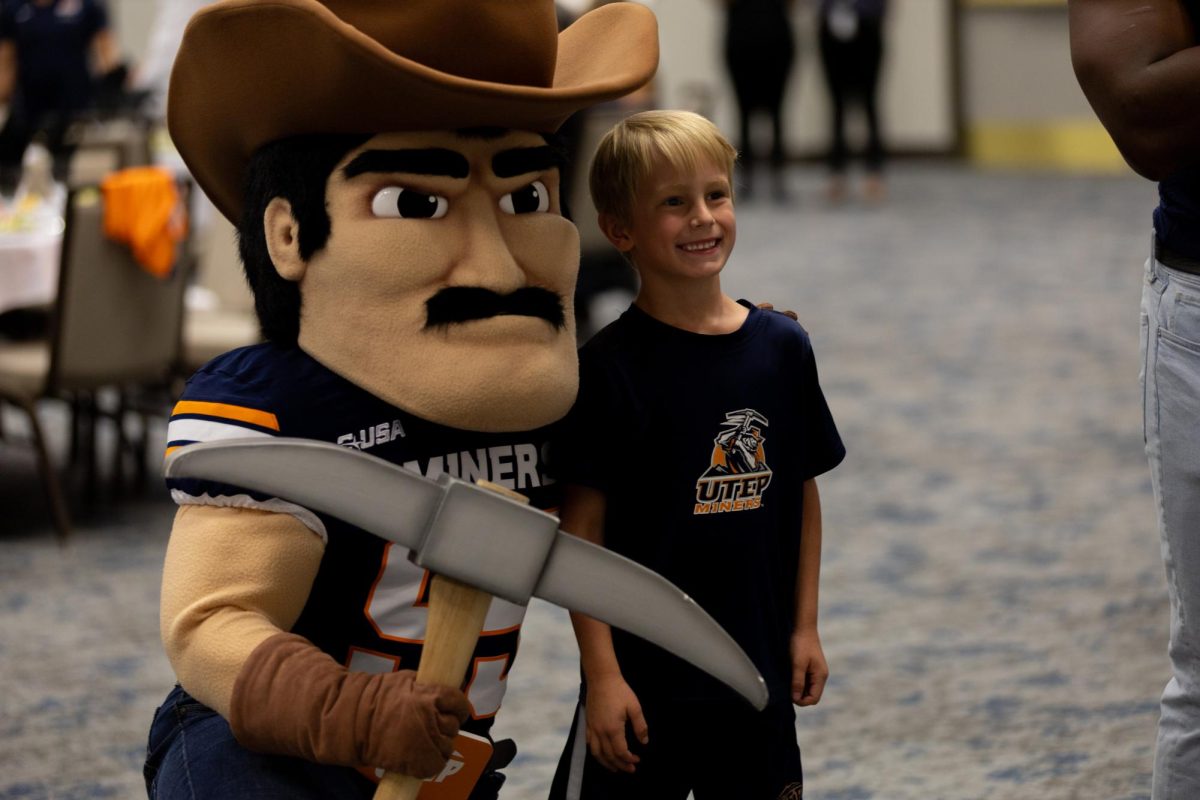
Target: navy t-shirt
1177,218
53,50
701,445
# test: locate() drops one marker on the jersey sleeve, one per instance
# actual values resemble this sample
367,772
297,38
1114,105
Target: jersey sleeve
824,449
218,407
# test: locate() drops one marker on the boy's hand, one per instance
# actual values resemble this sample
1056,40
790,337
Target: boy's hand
809,670
787,312
610,702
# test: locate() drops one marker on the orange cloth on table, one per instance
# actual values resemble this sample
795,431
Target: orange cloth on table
142,210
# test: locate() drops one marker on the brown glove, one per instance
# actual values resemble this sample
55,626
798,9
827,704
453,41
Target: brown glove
291,698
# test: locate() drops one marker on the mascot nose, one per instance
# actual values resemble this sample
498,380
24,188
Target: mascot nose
487,259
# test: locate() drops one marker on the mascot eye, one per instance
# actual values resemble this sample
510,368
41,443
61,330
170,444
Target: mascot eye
527,200
396,201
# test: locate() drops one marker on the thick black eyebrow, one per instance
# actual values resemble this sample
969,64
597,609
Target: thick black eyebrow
429,161
521,160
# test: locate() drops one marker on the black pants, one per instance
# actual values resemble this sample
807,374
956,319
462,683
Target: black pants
759,51
19,130
717,750
852,75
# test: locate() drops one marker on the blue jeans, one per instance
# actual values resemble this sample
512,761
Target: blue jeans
192,755
1170,325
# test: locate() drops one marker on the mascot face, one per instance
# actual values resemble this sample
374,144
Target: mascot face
446,284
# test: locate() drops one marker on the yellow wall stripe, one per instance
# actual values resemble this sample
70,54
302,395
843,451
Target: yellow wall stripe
1071,145
263,419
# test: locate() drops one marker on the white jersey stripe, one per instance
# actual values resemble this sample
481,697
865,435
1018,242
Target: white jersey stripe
275,505
203,430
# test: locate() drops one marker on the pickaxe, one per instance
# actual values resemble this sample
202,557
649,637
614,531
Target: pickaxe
478,544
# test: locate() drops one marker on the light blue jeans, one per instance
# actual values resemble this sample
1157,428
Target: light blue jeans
1170,323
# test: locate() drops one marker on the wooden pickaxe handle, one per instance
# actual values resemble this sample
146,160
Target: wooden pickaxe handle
456,616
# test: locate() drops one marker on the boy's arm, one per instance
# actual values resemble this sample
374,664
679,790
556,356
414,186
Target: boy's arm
610,701
809,669
106,55
1138,63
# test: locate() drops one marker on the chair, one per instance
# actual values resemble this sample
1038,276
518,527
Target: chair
113,325
103,146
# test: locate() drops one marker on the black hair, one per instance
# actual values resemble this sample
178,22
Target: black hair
295,169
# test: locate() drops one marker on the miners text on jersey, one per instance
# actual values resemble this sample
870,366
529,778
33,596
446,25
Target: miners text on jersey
513,466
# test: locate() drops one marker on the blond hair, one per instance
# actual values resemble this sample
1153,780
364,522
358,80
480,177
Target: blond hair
629,152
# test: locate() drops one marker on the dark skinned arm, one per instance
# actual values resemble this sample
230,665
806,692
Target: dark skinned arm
1138,63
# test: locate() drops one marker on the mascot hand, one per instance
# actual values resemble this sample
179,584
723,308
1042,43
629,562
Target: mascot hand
291,698
414,725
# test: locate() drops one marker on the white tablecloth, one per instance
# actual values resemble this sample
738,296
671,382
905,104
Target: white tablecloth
28,269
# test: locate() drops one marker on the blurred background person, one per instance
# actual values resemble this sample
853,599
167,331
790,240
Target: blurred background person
851,44
1138,62
759,51
53,55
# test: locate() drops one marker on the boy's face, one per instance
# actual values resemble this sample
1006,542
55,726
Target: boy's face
681,225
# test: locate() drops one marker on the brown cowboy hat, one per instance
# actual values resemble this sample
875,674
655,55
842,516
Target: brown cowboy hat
249,72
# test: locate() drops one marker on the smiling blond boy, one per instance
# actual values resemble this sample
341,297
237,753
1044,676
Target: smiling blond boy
693,448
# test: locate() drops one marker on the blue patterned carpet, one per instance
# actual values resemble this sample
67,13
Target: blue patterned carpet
993,606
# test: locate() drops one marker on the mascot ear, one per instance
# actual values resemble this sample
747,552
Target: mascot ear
616,232
282,232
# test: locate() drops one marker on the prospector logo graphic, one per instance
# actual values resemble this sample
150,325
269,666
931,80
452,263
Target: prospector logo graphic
738,474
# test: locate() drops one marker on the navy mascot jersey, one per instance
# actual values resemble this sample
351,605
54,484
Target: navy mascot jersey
701,446
367,607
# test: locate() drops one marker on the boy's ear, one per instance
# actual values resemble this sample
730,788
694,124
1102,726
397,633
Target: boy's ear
616,231
282,232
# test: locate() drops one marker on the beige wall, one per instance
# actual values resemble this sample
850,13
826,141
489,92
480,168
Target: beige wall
916,90
1022,104
131,21
1018,90
1017,65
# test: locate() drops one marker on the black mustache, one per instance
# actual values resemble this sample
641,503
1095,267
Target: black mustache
465,303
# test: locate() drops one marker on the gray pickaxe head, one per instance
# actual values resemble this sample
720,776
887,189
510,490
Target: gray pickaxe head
479,538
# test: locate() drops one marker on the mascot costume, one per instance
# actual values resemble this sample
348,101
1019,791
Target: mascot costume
392,170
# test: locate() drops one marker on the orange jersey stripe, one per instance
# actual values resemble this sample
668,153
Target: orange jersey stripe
263,419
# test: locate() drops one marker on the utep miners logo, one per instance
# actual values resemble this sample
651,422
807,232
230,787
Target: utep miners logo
738,475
